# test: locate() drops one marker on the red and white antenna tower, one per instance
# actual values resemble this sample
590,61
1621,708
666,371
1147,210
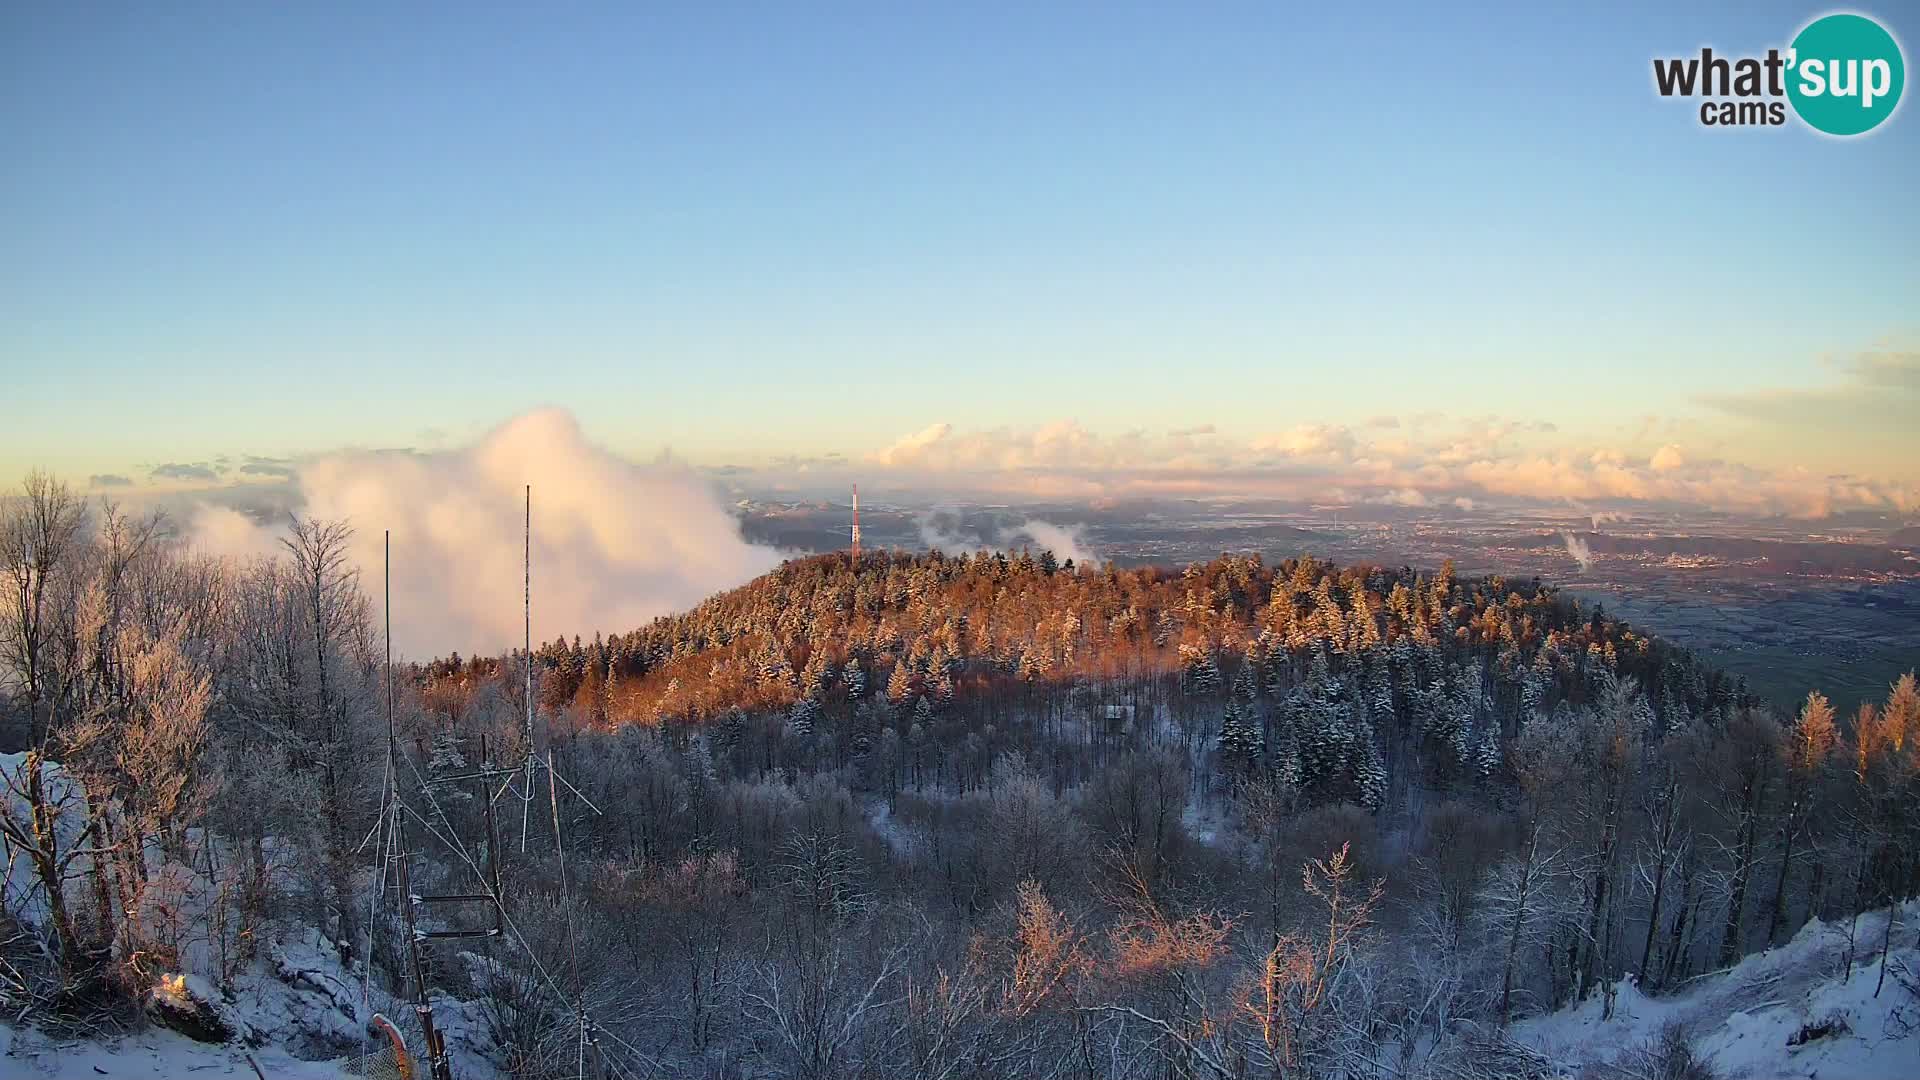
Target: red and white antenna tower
856,525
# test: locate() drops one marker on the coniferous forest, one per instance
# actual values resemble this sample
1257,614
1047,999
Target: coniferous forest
991,815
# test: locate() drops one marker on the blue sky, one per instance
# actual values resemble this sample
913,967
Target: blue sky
750,230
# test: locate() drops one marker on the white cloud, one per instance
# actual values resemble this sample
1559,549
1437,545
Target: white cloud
1063,540
1475,460
911,449
614,543
1309,440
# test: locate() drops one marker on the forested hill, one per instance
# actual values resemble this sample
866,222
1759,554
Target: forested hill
1287,658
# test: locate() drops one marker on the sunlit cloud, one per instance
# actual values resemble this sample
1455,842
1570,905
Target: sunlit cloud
1460,465
615,543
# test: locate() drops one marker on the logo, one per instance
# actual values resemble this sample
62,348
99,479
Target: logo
1841,75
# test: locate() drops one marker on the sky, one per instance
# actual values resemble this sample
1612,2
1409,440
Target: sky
1403,251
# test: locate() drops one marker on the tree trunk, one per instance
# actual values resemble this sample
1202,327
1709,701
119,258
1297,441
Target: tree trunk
1676,943
1519,920
1730,944
1593,964
1778,920
1659,893
1886,941
47,863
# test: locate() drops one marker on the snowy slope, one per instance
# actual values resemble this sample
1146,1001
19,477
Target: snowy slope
30,1055
298,1012
1741,1019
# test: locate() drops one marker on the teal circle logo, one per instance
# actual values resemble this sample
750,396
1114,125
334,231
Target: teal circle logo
1845,74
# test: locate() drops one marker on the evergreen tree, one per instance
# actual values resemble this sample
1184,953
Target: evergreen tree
801,717
1245,688
1486,757
733,729
1200,676
899,684
1242,743
1368,771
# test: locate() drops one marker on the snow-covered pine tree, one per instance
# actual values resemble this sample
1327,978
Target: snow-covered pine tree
1242,743
801,717
1486,755
818,673
1363,760
1200,677
1285,760
732,729
1325,733
1246,688
1232,737
1379,693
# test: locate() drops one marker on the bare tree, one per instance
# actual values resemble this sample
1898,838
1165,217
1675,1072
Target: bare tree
40,541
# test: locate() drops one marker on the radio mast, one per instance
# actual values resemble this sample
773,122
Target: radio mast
526,730
856,526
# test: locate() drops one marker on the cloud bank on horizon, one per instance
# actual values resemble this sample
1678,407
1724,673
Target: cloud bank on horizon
615,543
1419,464
1426,459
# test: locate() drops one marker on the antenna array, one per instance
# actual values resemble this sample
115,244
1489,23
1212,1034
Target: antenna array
398,856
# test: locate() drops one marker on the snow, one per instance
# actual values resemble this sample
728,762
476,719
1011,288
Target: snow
903,840
23,895
1740,1020
297,1011
157,1053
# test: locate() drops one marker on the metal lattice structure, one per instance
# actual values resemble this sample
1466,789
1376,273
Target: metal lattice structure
856,525
480,913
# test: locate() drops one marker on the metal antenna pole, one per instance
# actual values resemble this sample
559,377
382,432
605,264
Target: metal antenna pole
856,526
437,1064
526,733
387,584
566,903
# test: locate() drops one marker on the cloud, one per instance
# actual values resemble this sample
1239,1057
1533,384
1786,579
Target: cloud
1480,459
1402,497
198,472
1667,459
1876,390
614,543
1309,440
1578,548
1188,432
108,480
271,468
1384,422
910,449
942,527
1066,542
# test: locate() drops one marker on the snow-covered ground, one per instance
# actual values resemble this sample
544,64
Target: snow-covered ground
297,1009
1741,1020
298,1012
21,892
156,1053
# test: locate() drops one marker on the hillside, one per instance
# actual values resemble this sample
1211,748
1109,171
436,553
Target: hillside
1817,1007
923,816
821,631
